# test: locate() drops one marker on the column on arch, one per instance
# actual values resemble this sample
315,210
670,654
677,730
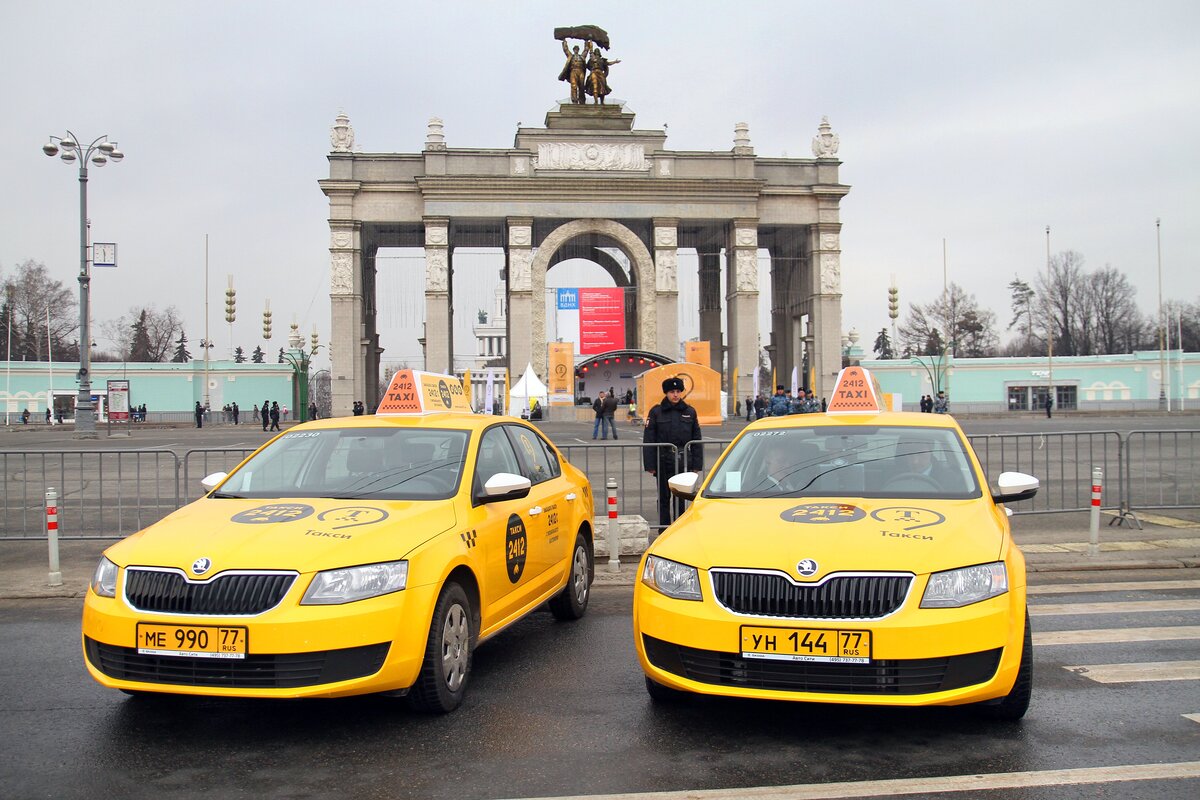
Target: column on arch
438,336
741,303
666,285
521,306
787,259
825,307
710,301
347,344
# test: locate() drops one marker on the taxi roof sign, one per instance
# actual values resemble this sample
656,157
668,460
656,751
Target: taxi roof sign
856,392
415,392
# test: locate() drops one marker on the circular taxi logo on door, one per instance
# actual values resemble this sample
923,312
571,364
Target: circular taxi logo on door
515,545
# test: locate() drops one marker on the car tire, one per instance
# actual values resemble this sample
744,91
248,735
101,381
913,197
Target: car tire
442,681
1014,705
664,695
572,602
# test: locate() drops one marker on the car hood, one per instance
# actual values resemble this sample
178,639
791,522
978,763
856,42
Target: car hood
918,536
301,534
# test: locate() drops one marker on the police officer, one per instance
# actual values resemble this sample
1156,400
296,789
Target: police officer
673,422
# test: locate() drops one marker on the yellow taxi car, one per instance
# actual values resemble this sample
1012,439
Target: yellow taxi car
347,556
855,556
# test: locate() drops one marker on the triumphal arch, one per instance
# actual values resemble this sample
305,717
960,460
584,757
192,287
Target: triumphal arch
588,183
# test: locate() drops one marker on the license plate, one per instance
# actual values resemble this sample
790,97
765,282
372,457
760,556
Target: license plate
192,641
807,644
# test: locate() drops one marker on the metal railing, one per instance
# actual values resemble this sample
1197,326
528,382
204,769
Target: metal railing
112,493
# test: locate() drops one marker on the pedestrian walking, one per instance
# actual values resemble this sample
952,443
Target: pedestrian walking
749,408
1049,405
199,412
312,411
760,407
672,422
779,403
274,416
266,414
610,413
236,412
256,412
48,415
942,404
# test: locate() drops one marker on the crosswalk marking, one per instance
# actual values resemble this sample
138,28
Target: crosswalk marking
1132,606
1140,673
907,786
1112,635
1117,586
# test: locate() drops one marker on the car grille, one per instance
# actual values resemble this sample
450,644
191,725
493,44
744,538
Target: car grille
883,677
229,594
839,597
284,671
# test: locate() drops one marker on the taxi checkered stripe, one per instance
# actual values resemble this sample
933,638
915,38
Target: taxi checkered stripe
468,538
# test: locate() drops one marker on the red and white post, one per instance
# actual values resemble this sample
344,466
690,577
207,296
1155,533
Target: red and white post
52,535
1097,487
613,530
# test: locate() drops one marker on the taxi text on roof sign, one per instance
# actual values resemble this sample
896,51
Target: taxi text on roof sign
857,392
414,392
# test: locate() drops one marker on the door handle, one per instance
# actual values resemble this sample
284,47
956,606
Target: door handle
570,496
533,512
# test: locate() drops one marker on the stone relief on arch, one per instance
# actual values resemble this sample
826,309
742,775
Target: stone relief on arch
436,270
341,273
831,274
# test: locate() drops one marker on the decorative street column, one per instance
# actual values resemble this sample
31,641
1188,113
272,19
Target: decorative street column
438,336
521,307
666,285
741,302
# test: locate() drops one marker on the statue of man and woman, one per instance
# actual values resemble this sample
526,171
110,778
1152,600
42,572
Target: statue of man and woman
586,72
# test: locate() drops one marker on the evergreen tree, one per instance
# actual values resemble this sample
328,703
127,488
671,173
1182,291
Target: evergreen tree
6,318
239,356
883,345
139,347
258,355
281,361
182,356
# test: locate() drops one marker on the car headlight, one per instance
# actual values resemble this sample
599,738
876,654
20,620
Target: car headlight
104,579
962,587
348,584
671,578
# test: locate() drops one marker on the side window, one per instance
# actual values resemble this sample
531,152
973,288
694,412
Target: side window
495,455
533,452
552,457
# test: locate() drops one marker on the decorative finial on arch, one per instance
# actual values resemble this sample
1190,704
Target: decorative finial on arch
341,135
825,143
434,138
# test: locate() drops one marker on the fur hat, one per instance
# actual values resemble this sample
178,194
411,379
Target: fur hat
672,384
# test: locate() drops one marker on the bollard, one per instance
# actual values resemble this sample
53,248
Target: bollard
1097,484
52,535
613,530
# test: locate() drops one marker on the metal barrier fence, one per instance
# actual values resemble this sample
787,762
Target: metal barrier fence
112,493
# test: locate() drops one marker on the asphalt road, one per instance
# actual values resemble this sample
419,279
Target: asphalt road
559,709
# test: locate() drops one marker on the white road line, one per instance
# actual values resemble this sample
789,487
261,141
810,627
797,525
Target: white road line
1140,673
1122,586
1130,607
1193,717
903,786
1111,635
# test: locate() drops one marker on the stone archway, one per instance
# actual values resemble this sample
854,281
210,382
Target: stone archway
643,269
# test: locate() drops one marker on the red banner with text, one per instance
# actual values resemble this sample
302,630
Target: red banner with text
601,320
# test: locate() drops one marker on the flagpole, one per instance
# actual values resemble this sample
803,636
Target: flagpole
50,359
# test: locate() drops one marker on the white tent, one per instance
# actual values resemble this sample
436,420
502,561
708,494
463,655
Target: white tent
528,389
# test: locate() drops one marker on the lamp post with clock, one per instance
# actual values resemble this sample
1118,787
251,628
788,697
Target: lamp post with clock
99,152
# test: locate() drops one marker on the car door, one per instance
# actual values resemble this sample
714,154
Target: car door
501,530
551,536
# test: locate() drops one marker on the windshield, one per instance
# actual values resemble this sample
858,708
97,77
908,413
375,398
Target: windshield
859,461
351,463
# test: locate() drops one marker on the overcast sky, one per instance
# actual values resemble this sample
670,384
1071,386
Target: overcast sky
976,123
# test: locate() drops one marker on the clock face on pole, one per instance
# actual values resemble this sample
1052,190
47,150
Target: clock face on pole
104,254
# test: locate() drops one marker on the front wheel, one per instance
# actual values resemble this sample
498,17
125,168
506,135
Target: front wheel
1014,704
442,681
572,601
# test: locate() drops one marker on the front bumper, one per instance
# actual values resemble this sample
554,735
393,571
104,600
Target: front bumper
932,656
373,645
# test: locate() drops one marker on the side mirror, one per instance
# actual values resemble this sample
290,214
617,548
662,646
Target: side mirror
1015,486
505,486
210,482
684,485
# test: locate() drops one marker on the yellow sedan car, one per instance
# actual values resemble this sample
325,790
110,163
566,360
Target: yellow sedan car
856,556
347,556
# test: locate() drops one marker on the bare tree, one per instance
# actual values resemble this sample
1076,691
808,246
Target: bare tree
32,294
954,321
1118,322
1062,296
162,330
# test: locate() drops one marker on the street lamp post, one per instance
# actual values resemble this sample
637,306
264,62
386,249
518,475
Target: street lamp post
299,359
99,152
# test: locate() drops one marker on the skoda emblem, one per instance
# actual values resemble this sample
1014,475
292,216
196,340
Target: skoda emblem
201,565
807,568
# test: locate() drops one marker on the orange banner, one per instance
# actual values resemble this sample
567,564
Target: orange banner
697,353
560,385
